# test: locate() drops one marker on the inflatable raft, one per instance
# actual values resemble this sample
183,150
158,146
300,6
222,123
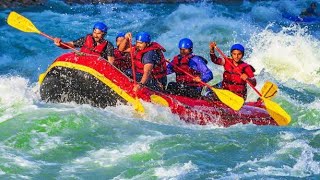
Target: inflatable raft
90,80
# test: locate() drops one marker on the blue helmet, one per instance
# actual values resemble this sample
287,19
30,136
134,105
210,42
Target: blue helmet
237,47
185,43
101,26
143,37
120,34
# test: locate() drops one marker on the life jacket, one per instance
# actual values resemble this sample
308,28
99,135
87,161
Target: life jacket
183,66
89,48
160,69
231,78
122,60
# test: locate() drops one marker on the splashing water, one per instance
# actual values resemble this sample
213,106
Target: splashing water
291,53
41,140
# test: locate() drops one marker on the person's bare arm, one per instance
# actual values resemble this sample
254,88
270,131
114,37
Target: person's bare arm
213,57
58,42
147,69
125,44
110,59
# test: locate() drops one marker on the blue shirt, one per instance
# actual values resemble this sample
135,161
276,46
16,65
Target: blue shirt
197,63
151,57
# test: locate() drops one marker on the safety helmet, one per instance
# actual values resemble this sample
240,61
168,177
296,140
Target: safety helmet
120,34
143,37
101,26
185,43
237,47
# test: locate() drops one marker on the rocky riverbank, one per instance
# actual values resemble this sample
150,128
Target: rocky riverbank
150,1
17,3
129,1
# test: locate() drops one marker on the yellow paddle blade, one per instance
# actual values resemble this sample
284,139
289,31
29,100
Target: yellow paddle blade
159,100
276,112
229,98
138,106
269,90
19,22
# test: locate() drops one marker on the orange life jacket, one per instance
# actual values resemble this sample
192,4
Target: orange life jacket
89,48
159,70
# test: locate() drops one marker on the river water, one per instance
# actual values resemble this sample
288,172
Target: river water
40,140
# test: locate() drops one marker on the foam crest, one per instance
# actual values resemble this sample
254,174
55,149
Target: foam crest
303,162
160,114
109,157
291,53
9,158
175,171
41,142
15,96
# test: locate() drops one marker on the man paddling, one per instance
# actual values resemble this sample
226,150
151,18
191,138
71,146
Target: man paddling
92,43
149,62
186,62
122,57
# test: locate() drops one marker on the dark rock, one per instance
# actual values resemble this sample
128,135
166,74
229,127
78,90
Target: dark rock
128,1
151,1
16,3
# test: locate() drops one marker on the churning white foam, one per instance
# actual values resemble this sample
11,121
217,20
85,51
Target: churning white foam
291,53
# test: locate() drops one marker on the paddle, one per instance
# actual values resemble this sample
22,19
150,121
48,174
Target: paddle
276,112
230,99
269,90
137,104
23,24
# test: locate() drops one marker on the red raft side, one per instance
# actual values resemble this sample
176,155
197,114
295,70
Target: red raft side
119,87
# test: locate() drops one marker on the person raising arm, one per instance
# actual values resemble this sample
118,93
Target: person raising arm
234,79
